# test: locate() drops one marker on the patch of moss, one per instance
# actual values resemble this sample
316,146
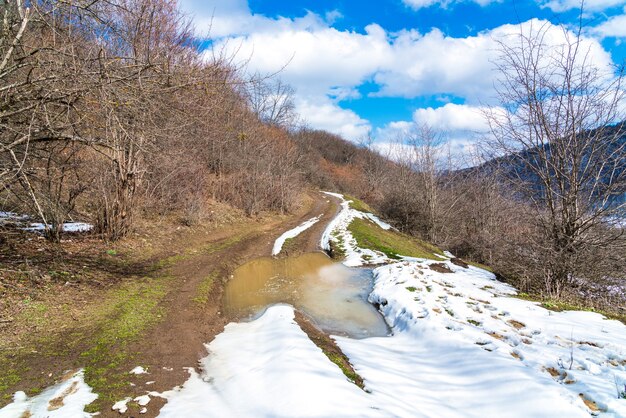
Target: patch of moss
411,288
8,378
389,242
289,246
204,289
347,371
129,311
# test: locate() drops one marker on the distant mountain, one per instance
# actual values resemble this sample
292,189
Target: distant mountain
522,168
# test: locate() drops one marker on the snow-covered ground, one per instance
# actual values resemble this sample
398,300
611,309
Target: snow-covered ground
63,400
292,233
462,345
268,368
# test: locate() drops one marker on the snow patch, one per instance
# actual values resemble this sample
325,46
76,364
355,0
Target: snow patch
121,406
279,370
463,334
65,399
67,227
278,245
138,370
337,232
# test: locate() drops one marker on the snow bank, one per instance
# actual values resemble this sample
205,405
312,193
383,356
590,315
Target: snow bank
463,347
65,399
278,244
268,368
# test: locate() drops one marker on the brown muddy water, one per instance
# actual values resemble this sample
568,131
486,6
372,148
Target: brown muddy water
333,295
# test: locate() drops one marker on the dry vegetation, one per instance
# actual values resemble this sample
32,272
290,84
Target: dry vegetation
108,109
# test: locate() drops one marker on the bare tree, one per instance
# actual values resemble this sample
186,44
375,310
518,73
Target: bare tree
562,145
272,101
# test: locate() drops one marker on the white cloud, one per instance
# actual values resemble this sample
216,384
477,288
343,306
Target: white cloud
327,65
453,117
420,4
613,27
437,64
589,5
327,115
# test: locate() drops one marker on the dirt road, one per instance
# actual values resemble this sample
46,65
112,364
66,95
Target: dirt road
193,318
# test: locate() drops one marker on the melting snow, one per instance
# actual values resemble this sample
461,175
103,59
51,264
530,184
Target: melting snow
121,406
138,370
268,368
337,232
462,346
65,399
278,245
67,227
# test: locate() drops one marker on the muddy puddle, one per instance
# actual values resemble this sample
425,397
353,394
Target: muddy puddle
333,295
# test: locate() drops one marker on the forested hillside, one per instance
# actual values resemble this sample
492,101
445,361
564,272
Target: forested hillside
112,112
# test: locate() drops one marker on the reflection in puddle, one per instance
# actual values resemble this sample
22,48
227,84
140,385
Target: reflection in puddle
333,295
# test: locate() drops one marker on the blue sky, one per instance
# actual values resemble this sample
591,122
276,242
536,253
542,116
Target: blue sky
376,67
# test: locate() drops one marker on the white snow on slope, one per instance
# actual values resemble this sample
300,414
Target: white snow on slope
292,233
268,368
65,399
463,347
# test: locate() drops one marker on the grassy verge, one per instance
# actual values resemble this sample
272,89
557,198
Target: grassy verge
99,338
330,349
358,204
561,305
389,242
337,246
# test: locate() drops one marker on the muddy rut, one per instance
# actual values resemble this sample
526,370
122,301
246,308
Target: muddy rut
193,319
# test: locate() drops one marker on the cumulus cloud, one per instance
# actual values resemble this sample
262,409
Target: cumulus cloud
327,115
327,65
453,117
613,27
589,5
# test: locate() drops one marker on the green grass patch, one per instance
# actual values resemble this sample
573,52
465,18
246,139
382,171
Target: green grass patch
204,289
474,322
389,242
337,246
480,266
129,311
561,305
347,371
289,246
358,204
411,288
